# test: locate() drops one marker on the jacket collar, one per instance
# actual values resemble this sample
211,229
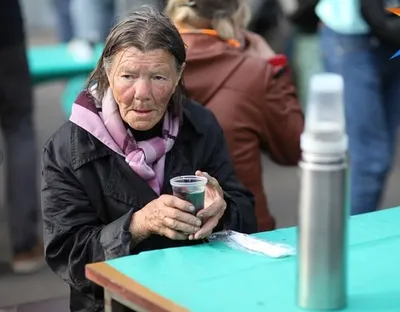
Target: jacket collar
85,148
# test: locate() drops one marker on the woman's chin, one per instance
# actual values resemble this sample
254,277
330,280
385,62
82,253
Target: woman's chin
142,125
143,122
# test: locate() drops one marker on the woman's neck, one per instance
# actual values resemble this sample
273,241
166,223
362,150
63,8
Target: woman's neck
156,131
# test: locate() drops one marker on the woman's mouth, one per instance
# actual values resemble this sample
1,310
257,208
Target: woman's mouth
142,111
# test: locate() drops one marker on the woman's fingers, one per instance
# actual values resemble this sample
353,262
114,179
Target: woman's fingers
217,208
172,234
212,215
181,216
211,181
210,211
205,175
206,229
175,202
179,226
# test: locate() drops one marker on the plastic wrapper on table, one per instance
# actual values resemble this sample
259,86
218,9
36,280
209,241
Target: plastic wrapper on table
251,244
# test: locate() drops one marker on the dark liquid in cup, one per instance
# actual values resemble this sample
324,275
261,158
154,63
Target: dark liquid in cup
196,199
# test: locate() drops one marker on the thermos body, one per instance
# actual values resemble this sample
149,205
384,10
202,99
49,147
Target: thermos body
322,236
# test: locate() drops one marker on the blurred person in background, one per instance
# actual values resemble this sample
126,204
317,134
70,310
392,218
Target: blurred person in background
17,126
92,19
357,40
83,23
63,20
265,19
304,44
303,16
269,19
236,74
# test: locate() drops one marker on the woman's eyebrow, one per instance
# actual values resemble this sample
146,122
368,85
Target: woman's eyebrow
162,71
126,69
155,70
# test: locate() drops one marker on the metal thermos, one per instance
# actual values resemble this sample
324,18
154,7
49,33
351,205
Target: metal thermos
322,227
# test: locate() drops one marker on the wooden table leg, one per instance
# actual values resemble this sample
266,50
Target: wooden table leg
111,305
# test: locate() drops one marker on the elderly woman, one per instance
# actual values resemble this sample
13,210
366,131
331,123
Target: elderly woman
237,76
106,172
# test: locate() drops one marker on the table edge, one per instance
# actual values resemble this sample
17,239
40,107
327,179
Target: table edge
115,282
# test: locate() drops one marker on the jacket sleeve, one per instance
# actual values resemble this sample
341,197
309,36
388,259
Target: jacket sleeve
282,116
239,215
385,25
278,119
73,234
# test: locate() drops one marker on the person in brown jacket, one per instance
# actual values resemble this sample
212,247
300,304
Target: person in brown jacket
237,76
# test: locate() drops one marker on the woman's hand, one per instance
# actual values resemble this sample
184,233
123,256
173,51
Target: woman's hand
167,216
214,204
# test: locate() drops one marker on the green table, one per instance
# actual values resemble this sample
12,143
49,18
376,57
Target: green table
213,277
55,62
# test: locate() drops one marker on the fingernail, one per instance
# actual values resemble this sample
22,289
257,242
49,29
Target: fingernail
191,208
198,222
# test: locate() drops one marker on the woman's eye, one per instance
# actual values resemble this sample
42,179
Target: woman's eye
127,77
159,78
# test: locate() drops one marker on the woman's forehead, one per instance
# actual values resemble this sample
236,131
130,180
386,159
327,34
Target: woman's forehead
133,57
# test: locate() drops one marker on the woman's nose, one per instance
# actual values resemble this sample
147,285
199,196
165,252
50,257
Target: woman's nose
142,89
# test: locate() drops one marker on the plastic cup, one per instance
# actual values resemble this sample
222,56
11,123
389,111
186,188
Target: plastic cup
190,188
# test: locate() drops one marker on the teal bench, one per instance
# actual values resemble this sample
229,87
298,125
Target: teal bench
55,62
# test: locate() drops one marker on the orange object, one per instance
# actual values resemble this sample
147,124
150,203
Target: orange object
233,42
394,11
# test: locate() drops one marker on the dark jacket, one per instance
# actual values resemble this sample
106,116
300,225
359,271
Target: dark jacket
304,17
384,25
11,24
89,194
255,104
265,15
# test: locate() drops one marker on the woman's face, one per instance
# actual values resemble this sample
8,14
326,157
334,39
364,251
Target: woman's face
142,85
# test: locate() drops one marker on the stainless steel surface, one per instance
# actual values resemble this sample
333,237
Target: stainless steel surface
321,279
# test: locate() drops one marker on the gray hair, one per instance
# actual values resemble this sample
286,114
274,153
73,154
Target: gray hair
146,29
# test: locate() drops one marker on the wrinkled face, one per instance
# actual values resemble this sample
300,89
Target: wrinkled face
142,85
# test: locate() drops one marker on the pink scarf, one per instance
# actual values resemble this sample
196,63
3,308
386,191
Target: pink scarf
103,121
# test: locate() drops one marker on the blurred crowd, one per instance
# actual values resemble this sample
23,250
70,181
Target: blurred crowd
355,38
